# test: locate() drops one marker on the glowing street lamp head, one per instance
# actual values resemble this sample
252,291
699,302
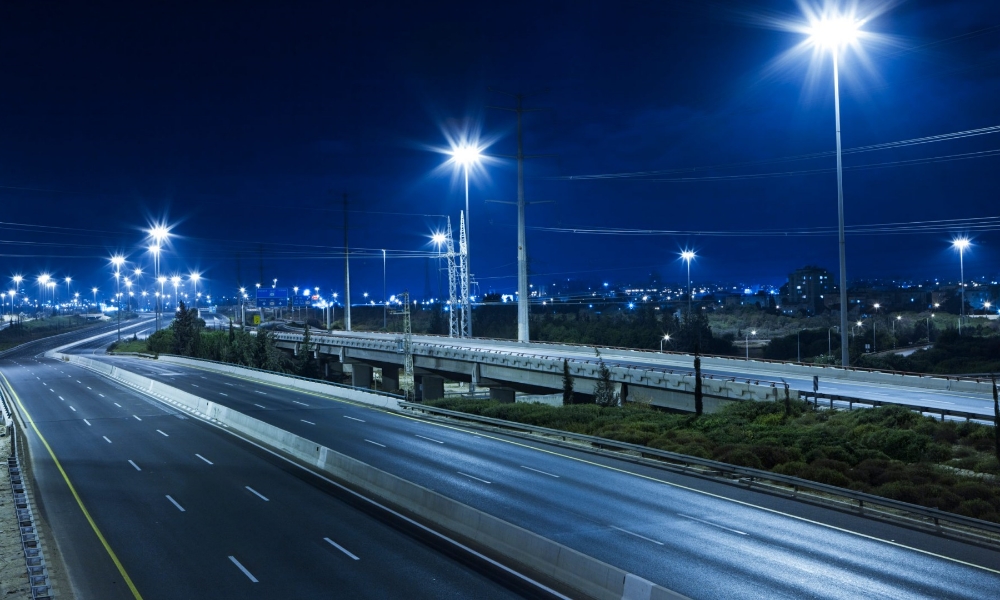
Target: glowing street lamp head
159,233
195,277
877,306
466,154
961,243
161,279
687,255
17,279
438,238
68,279
43,279
834,32
175,280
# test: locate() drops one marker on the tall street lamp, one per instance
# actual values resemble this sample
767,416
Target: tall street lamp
961,243
834,33
753,333
384,304
176,281
874,325
688,255
68,280
195,277
118,260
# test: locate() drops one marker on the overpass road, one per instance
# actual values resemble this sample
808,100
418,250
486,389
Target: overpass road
187,510
701,538
980,403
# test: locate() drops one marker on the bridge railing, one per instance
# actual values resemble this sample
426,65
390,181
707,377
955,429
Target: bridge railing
938,521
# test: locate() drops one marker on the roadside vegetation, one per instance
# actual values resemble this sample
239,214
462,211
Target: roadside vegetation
20,332
890,451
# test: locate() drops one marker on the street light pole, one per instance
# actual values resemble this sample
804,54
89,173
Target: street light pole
844,352
384,310
961,244
687,255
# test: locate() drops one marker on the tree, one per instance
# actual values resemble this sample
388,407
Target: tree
567,384
604,391
187,331
698,402
306,365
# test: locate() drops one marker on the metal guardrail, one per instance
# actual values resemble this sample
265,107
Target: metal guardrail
851,401
865,503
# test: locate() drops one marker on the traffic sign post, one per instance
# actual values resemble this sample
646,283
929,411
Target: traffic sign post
272,297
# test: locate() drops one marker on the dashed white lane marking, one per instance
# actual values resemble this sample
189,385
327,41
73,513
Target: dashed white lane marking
204,459
134,465
713,524
642,537
203,377
137,418
100,394
261,393
87,422
376,443
260,405
72,409
229,384
80,382
256,493
61,398
161,433
302,403
537,471
244,569
471,477
50,389
339,547
118,405
174,502
89,388
195,385
353,419
304,421
226,395
429,439
106,439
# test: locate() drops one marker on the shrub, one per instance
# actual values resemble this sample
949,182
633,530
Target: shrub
740,455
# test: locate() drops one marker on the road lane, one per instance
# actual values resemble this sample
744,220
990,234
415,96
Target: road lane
125,461
576,499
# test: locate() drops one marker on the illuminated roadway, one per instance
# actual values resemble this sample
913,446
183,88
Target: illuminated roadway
700,538
193,512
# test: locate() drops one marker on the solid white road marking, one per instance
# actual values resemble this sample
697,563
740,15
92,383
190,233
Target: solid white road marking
134,465
430,439
256,493
204,459
353,419
174,502
161,433
87,422
713,524
637,535
471,477
137,418
304,421
106,439
242,568
376,443
339,547
537,471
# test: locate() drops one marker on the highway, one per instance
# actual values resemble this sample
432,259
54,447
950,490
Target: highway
701,538
182,509
922,397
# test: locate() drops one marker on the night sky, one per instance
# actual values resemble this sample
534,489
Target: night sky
241,125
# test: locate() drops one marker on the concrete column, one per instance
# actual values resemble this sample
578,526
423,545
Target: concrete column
432,388
502,394
361,376
390,379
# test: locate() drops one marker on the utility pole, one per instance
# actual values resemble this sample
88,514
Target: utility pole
522,245
347,274
465,328
453,275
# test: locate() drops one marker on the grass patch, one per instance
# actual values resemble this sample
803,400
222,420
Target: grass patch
129,345
36,329
889,451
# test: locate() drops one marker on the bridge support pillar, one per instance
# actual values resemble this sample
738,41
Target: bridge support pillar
502,394
361,376
390,379
432,388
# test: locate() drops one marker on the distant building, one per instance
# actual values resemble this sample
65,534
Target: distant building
808,289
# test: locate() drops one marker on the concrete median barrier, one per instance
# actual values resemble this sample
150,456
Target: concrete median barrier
521,549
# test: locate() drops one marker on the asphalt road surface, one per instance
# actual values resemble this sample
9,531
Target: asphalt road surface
177,508
701,538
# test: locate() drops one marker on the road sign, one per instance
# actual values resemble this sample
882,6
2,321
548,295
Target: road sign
301,301
256,319
272,297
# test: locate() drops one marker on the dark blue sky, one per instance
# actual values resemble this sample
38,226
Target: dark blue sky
242,125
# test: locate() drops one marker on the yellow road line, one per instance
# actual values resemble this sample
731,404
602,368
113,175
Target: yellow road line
76,496
596,464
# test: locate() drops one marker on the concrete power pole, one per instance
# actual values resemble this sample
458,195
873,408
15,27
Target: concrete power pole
347,274
522,244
